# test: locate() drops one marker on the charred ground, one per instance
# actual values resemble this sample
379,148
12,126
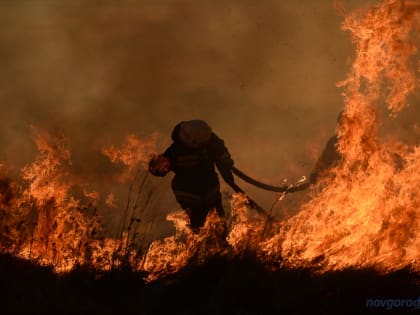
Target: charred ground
240,285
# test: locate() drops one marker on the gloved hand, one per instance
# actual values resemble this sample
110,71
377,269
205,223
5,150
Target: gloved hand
159,165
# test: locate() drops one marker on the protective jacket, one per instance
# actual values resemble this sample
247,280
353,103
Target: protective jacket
193,156
194,168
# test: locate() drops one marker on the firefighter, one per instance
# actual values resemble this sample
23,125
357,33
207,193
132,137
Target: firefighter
330,157
192,156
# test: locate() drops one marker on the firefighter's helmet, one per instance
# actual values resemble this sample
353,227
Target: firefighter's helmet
194,133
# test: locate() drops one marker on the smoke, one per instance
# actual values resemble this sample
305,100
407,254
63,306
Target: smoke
262,73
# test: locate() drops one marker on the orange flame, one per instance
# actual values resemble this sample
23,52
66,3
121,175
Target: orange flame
367,214
175,252
134,153
44,222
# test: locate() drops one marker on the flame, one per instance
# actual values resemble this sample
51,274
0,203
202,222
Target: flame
246,226
111,200
43,221
365,214
133,153
175,252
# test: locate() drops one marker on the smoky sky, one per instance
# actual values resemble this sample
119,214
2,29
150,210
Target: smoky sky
263,74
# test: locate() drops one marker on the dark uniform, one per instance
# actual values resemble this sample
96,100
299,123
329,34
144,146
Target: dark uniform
196,184
330,157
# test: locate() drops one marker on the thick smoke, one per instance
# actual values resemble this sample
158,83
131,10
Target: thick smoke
262,73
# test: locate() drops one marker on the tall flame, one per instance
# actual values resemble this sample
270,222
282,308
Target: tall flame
367,214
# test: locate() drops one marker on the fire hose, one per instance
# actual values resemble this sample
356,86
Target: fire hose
285,188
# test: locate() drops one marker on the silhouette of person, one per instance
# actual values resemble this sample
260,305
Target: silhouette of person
192,156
